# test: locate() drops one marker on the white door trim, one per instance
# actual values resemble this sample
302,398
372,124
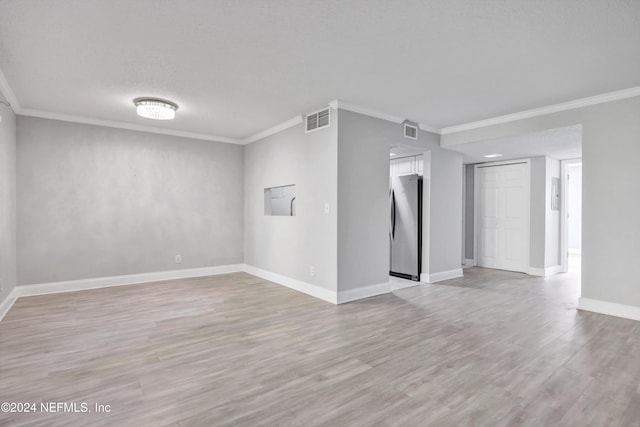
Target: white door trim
564,224
476,191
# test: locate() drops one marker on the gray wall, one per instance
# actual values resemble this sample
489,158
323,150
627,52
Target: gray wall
96,201
363,200
290,245
7,201
611,183
574,200
445,223
537,215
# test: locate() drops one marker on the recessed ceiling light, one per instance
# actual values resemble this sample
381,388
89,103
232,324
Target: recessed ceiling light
490,156
155,108
392,154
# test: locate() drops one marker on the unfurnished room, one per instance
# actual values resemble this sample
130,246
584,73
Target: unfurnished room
338,213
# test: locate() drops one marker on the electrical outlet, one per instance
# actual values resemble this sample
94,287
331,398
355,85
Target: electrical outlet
178,259
312,271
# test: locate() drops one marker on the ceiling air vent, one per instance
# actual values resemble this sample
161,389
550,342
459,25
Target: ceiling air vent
410,131
318,120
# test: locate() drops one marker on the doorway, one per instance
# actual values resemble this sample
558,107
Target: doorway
502,221
406,169
571,227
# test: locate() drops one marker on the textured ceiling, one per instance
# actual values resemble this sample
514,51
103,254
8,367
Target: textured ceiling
239,67
560,143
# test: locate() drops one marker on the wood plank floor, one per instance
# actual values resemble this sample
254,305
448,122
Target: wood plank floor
491,349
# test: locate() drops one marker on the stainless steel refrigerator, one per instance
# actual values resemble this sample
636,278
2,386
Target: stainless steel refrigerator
405,227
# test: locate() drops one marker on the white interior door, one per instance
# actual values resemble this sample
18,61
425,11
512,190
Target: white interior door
502,216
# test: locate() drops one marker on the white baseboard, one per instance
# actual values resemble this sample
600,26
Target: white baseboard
469,262
398,283
131,279
441,275
364,292
298,285
610,308
8,302
543,272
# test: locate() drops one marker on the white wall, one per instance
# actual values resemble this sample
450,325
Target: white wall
96,201
611,179
290,245
574,205
7,201
363,201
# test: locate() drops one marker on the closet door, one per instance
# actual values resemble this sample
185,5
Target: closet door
502,216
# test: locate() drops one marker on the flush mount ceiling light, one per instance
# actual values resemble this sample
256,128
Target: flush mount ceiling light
155,108
491,156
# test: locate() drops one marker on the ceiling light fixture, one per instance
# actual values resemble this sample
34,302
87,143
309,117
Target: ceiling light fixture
491,156
155,108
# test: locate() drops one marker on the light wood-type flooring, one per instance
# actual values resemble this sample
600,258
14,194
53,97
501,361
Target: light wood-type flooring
491,349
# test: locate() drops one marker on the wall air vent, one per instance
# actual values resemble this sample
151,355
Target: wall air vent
318,120
410,131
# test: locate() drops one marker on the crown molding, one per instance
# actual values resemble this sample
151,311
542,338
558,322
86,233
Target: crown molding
8,93
378,115
428,128
10,96
272,130
124,125
366,111
556,108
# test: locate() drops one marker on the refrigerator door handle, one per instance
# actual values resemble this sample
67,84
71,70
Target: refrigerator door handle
393,215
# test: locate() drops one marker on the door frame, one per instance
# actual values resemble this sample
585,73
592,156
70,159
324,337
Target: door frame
564,223
476,191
